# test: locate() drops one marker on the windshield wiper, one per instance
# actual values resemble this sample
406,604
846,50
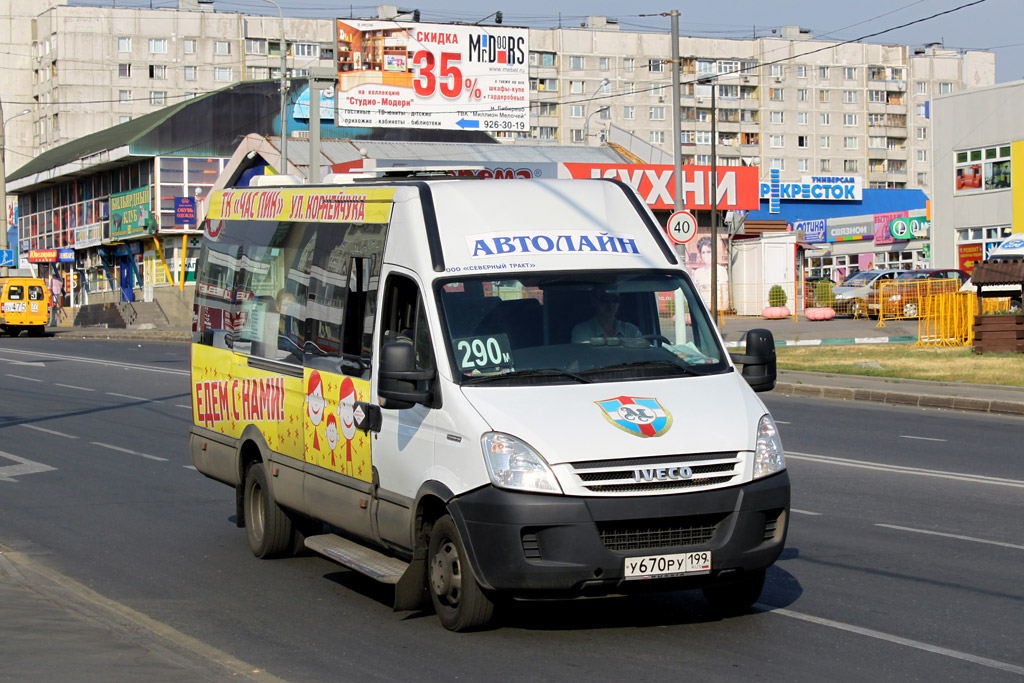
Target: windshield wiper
534,372
646,364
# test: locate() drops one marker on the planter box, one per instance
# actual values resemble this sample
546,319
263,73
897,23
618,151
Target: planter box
999,334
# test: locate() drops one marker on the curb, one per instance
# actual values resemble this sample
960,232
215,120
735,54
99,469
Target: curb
903,398
826,342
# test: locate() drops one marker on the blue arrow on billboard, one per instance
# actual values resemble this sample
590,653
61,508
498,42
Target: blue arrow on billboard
468,123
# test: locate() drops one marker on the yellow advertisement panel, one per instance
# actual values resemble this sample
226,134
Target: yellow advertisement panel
312,419
353,205
1017,188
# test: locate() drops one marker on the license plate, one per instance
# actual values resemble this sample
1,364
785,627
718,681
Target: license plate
661,566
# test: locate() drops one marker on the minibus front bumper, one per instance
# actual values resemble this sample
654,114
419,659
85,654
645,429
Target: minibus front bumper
541,545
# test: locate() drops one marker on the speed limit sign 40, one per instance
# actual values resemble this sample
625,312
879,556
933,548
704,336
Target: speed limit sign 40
682,226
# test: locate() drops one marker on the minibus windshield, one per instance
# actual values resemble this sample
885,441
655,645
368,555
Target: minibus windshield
556,328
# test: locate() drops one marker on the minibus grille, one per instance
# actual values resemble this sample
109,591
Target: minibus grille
644,535
659,474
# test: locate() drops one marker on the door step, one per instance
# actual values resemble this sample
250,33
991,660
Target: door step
374,564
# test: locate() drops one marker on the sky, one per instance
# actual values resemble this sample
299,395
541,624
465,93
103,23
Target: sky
972,24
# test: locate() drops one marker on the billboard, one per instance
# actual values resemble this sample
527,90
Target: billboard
818,188
396,74
737,185
130,213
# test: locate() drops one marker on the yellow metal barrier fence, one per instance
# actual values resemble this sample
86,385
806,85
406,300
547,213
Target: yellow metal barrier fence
947,319
902,299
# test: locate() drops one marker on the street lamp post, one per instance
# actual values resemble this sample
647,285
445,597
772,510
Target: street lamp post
3,179
586,123
284,92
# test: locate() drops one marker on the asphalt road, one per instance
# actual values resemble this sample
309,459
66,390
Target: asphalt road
902,561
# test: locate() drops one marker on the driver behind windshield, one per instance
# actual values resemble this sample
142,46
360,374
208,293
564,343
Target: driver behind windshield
604,323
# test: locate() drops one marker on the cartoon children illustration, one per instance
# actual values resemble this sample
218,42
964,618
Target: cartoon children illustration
331,432
346,406
315,404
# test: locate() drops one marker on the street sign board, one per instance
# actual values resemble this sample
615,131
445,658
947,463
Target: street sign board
7,258
682,226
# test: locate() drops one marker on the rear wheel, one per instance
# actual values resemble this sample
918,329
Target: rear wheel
459,601
266,525
738,596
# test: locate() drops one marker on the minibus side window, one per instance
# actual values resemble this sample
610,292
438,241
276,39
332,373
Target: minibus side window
405,319
14,293
35,293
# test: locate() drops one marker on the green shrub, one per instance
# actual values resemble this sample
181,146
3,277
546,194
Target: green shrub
777,296
824,297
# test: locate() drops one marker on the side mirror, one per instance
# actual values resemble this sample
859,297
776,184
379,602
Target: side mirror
398,376
759,361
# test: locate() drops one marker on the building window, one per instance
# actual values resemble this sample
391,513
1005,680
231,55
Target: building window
656,66
657,113
922,179
657,137
190,46
876,96
728,67
576,87
604,63
124,44
824,95
826,165
850,142
629,112
775,117
801,94
191,73
628,64
826,142
850,73
849,97
922,88
777,141
802,165
921,133
776,71
801,71
702,137
921,110
576,63
124,70
306,50
124,118
158,71
824,118
982,169
222,73
255,46
158,98
849,119
548,84
576,134
945,88
823,73
801,118
124,96
257,73
548,108
849,166
876,142
157,46
606,88
576,111
802,141
221,47
775,94
922,155
777,163
876,119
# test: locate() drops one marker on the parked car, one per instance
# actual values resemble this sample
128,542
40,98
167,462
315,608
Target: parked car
852,294
902,298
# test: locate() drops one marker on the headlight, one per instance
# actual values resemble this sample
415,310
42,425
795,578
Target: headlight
768,456
514,465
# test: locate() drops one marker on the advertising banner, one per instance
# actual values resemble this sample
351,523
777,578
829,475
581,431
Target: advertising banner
969,255
818,188
883,235
814,231
396,74
129,213
42,255
845,233
737,185
185,210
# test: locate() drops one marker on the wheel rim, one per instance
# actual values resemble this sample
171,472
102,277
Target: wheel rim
255,512
910,310
446,573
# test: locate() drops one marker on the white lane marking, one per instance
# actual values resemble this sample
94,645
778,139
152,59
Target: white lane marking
871,633
179,405
920,438
72,386
134,398
34,364
957,536
190,467
899,469
27,379
805,512
80,359
49,431
22,468
130,452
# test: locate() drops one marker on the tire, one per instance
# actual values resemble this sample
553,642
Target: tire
266,525
458,599
910,309
857,309
736,597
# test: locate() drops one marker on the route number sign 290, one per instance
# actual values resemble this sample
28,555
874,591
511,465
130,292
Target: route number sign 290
486,354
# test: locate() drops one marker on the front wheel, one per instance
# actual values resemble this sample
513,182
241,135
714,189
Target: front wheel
459,601
266,525
738,596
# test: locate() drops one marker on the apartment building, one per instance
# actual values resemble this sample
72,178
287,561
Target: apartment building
801,105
